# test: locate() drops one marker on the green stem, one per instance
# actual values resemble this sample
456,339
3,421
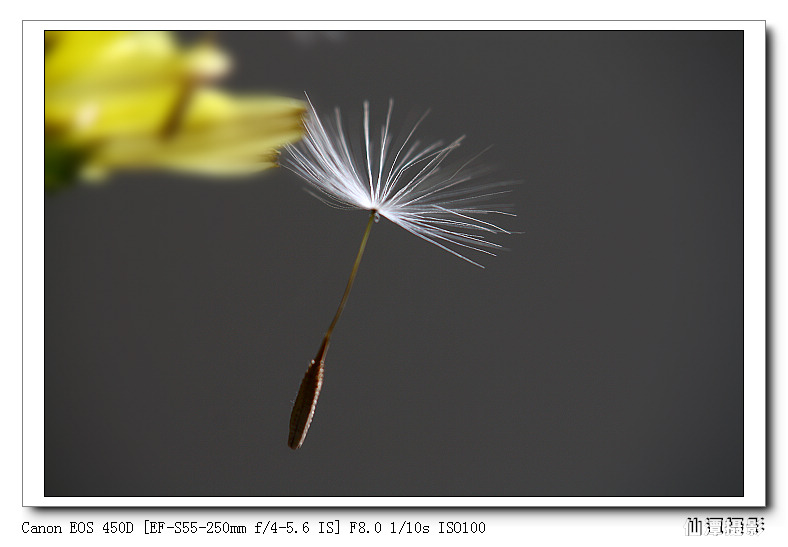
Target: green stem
308,393
350,280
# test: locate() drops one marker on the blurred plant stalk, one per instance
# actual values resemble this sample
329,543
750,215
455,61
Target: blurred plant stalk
117,100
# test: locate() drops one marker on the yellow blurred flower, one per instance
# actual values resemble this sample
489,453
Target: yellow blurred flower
128,99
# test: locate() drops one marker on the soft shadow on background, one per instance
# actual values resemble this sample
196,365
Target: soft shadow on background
600,355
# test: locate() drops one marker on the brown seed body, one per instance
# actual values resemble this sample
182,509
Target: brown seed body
306,401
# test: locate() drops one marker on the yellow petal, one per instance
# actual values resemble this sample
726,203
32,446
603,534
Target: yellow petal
139,100
99,82
86,59
218,135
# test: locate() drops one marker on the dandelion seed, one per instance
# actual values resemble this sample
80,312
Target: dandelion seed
407,183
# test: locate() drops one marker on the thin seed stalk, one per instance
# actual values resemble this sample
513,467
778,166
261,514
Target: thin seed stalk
308,393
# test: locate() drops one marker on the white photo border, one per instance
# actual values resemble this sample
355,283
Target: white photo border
755,327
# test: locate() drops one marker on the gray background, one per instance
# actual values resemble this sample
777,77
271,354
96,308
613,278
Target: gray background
601,355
